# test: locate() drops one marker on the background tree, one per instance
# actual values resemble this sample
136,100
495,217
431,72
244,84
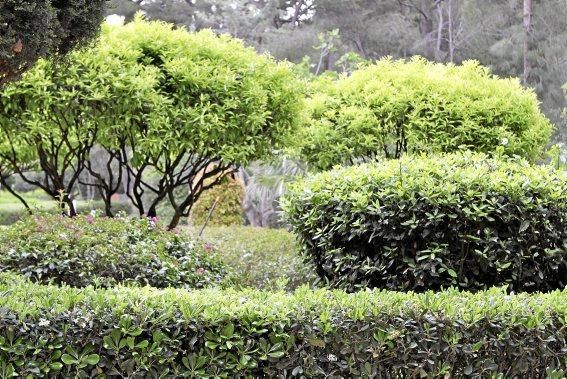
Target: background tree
491,32
30,29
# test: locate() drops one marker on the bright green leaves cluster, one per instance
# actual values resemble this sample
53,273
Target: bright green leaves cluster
161,87
87,251
422,223
131,332
206,94
396,107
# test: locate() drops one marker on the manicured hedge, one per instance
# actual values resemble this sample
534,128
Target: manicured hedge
88,250
423,223
129,332
14,211
395,107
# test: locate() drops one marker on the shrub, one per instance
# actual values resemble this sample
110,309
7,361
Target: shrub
396,107
12,212
88,250
260,257
422,223
226,197
144,332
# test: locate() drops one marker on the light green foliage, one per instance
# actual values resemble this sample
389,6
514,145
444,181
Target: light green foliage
241,103
87,250
260,257
161,100
394,107
226,333
422,223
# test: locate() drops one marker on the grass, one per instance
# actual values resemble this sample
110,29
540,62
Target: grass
259,257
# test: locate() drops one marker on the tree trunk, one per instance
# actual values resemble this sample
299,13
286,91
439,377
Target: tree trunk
174,220
439,31
152,212
450,31
426,29
527,38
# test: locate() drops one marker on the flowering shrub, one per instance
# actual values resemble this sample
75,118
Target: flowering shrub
89,250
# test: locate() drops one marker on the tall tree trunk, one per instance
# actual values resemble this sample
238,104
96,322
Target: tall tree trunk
450,31
439,31
527,38
426,29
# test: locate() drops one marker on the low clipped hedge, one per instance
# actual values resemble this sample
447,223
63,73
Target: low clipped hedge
422,223
87,250
15,212
394,107
130,332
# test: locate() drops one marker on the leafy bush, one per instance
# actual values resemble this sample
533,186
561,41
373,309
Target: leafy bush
424,223
12,212
144,332
394,107
87,250
226,197
260,257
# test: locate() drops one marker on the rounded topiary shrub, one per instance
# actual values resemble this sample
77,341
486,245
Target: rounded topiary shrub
226,197
87,250
421,223
395,107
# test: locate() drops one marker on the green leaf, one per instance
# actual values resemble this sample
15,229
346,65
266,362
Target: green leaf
68,360
92,359
228,331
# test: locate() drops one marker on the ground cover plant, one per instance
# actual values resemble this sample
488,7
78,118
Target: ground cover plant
396,107
141,332
89,250
260,258
423,223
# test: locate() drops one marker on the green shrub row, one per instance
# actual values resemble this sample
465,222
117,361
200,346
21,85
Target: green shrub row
15,212
395,107
423,223
144,332
88,250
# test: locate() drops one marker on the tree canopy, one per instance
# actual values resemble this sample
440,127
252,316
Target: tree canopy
395,107
172,109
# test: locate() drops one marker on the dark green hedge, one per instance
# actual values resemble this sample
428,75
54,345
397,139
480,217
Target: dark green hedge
396,106
88,250
31,29
423,223
135,333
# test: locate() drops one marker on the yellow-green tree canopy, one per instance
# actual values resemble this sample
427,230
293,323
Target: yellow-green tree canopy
395,107
182,107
